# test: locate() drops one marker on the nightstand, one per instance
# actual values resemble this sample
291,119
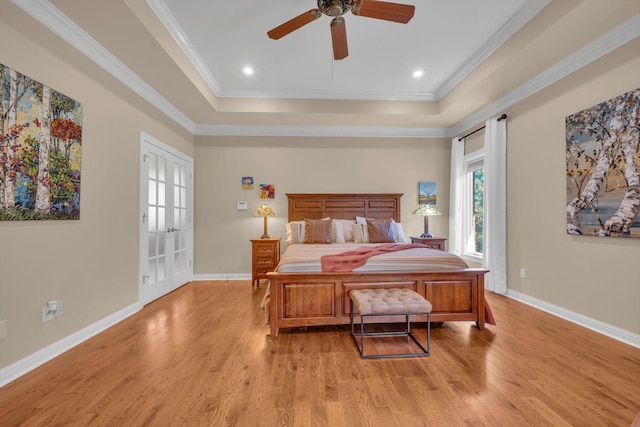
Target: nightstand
265,255
433,242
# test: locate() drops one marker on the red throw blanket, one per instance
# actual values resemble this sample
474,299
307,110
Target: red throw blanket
350,260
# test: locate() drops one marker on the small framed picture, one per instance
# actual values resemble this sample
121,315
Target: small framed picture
426,193
267,191
247,182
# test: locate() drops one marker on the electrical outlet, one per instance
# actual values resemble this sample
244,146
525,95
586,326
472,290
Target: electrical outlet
523,273
59,309
47,314
51,310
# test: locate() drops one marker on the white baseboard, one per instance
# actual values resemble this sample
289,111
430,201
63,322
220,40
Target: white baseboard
42,356
202,277
595,325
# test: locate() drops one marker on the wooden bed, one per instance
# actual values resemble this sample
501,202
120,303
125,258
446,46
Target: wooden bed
321,298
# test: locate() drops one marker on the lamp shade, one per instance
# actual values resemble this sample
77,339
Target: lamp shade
264,210
426,210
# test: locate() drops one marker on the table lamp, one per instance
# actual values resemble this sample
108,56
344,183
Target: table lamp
426,210
264,212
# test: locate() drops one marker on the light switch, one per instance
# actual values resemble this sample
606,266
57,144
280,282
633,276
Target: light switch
242,206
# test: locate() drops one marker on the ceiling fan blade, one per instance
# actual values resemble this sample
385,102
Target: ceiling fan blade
339,38
293,24
387,11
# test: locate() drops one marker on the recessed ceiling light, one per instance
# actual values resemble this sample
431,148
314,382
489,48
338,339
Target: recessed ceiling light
247,70
417,74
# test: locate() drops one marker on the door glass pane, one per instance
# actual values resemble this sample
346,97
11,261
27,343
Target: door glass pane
152,219
162,261
161,194
151,272
152,192
161,220
176,218
152,244
176,175
162,237
153,170
162,164
183,197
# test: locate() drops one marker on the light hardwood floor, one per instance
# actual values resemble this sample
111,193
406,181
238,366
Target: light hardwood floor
201,356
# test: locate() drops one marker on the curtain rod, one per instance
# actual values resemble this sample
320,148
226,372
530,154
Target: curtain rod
502,117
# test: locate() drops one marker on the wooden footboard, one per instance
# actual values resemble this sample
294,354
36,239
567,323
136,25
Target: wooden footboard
317,299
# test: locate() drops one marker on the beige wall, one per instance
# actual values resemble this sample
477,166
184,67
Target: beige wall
595,277
303,165
91,264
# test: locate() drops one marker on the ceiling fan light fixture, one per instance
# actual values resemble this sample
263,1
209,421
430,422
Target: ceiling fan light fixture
335,8
384,10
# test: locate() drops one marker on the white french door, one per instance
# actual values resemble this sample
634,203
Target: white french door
166,219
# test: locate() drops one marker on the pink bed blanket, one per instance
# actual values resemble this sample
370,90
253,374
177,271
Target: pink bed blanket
350,260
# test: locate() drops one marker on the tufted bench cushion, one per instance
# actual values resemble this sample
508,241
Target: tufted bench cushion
381,301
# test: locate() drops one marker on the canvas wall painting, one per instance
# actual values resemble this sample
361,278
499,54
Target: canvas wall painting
40,150
603,168
247,183
426,193
267,191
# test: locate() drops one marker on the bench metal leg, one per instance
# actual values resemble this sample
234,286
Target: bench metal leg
426,351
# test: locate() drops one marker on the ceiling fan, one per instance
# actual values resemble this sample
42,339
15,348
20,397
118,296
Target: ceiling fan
387,11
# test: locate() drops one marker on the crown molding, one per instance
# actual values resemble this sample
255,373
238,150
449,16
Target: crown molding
531,9
169,21
51,17
359,95
608,42
322,131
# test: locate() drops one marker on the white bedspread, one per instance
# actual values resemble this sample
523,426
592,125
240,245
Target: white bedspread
305,258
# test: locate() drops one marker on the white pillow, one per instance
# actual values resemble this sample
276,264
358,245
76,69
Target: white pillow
399,232
360,233
361,220
295,232
343,236
337,232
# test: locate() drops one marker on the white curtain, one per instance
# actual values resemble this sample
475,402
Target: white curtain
457,198
495,205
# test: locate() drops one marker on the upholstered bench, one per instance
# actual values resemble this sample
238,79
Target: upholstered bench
389,302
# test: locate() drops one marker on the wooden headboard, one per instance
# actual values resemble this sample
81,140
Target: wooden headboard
344,206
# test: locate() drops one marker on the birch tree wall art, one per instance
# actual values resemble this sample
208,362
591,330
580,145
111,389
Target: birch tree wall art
40,150
603,168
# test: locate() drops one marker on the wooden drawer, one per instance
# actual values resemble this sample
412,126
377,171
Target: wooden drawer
265,259
264,249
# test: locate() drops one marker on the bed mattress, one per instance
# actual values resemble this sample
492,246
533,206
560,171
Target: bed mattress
305,258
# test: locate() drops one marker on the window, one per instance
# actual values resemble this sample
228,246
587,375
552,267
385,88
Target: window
474,217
